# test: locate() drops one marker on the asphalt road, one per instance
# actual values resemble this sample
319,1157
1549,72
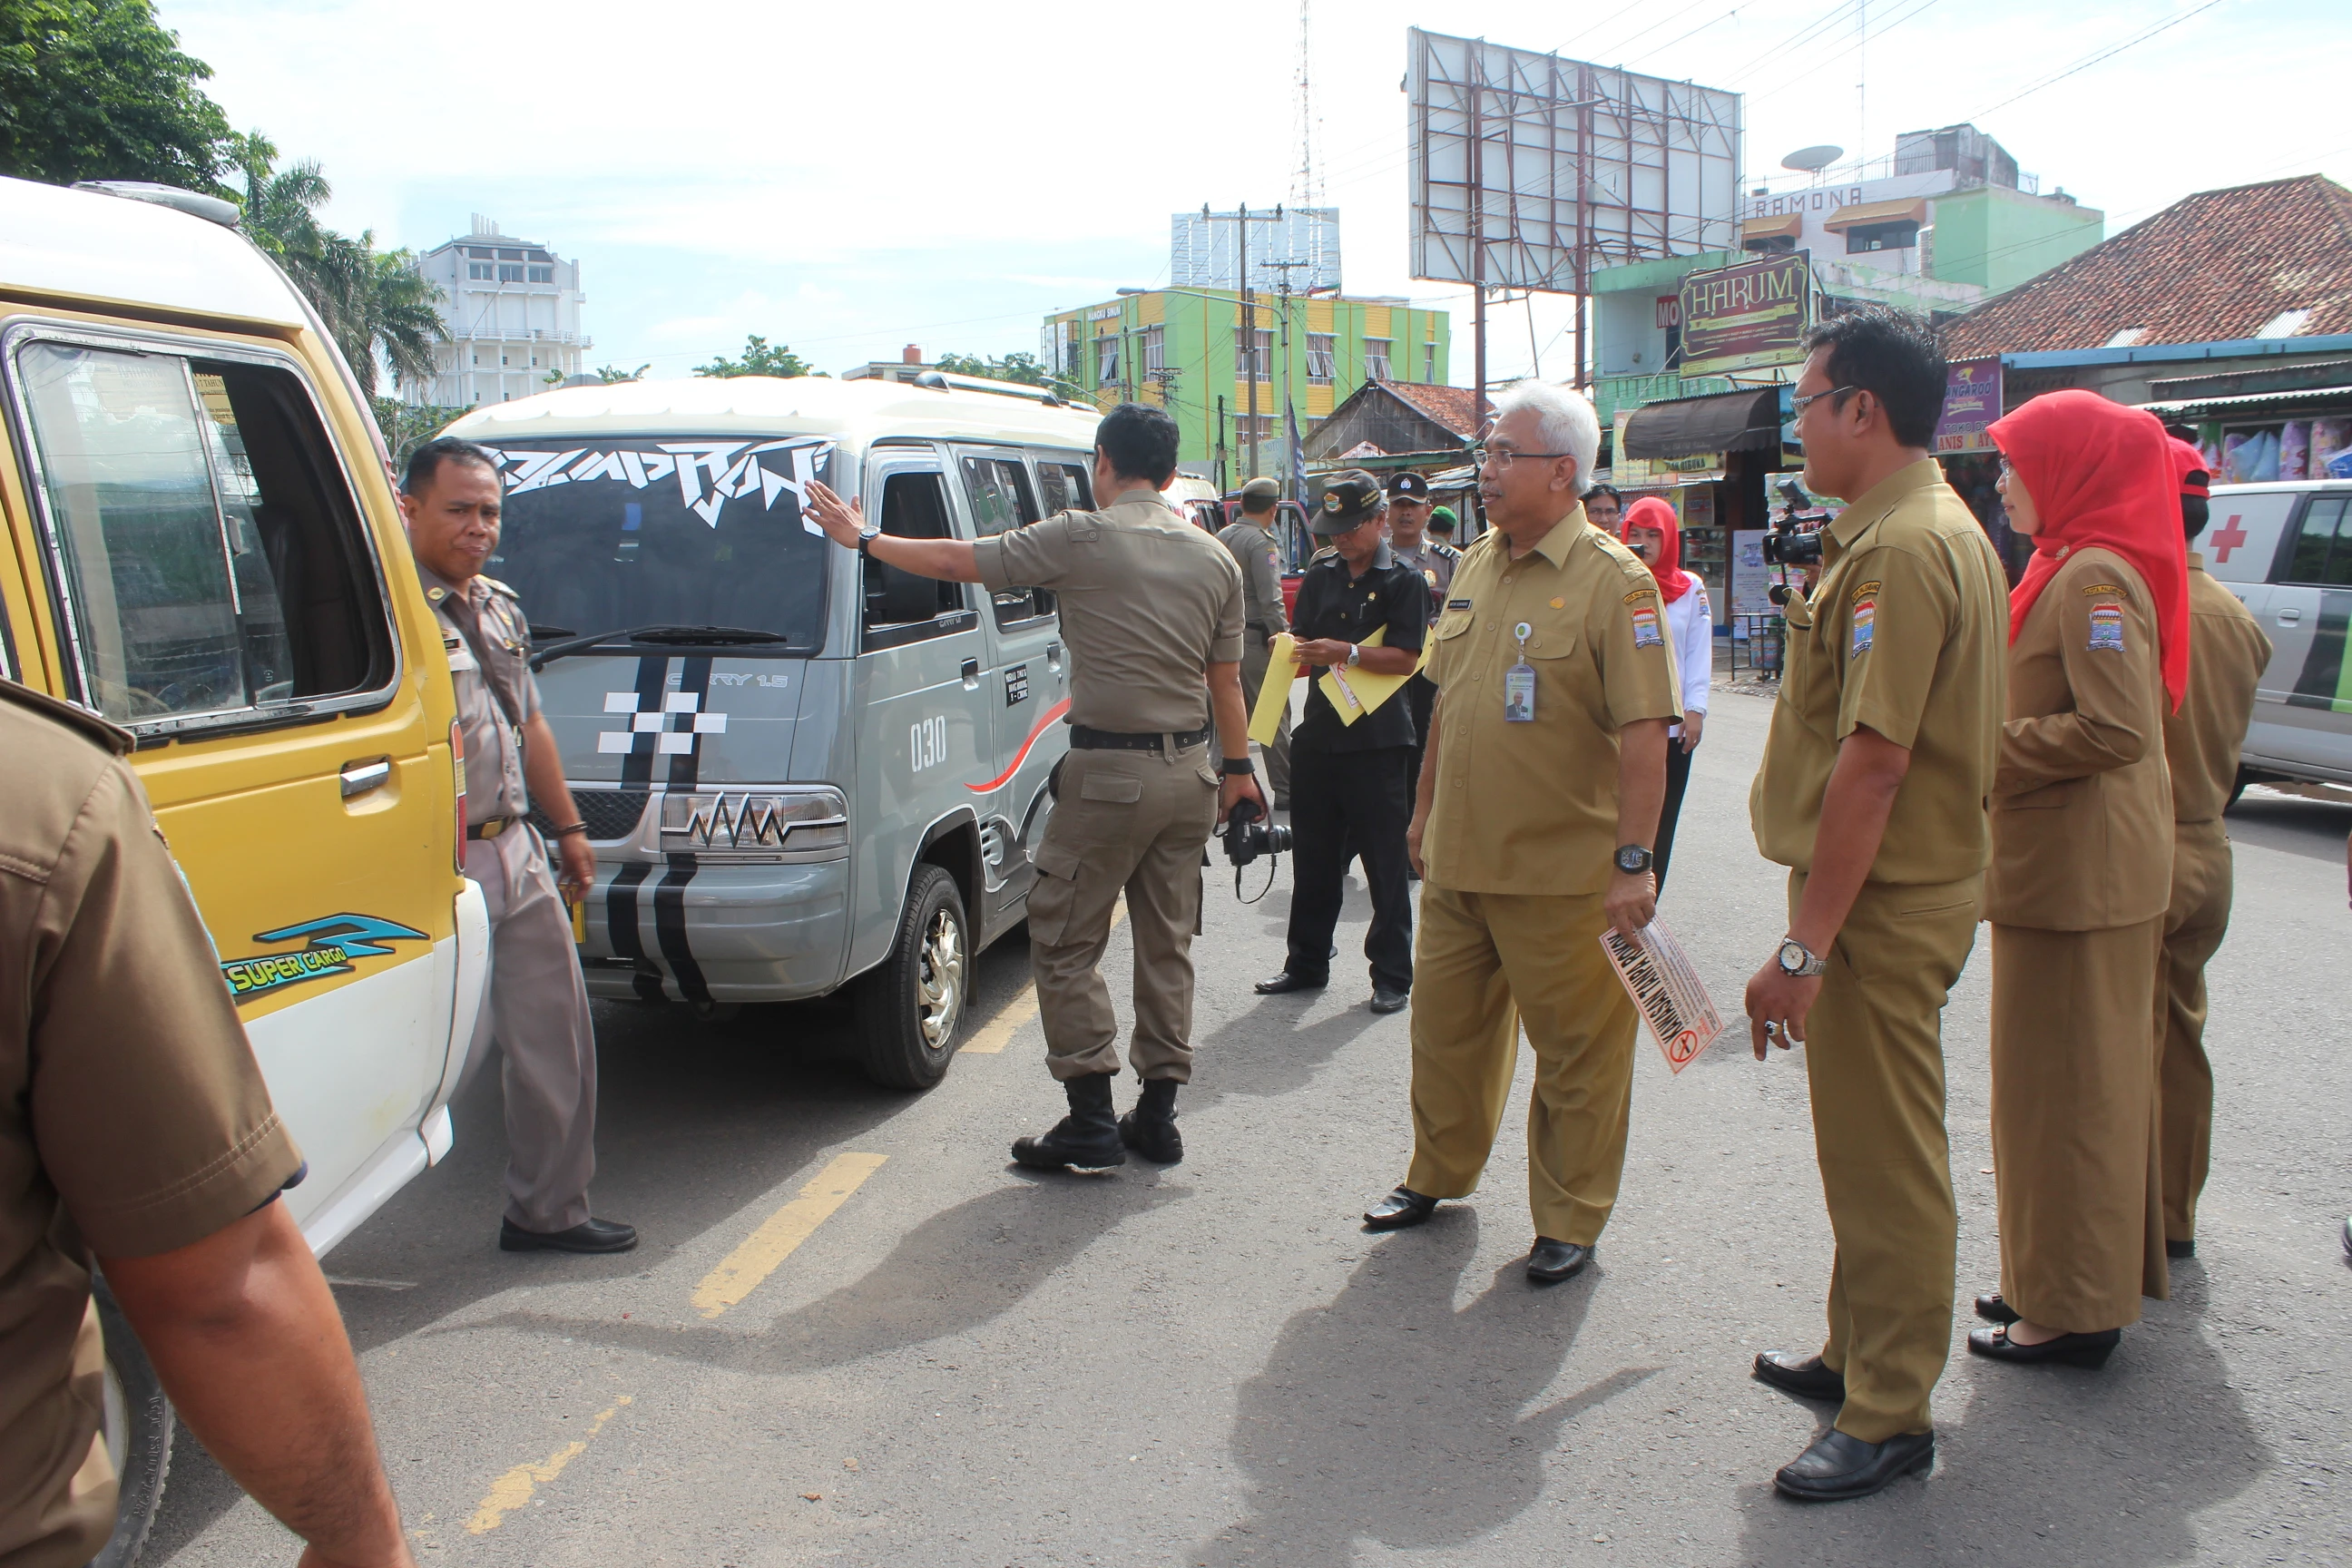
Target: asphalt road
960,1363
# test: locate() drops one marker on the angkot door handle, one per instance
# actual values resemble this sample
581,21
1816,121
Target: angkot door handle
972,675
358,778
2289,617
1054,656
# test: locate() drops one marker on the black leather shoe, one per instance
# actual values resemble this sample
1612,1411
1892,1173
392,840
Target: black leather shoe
1151,1128
1400,1209
1387,1001
2180,1248
1086,1139
1553,1261
1838,1466
588,1235
1282,985
1994,1309
1803,1375
2089,1350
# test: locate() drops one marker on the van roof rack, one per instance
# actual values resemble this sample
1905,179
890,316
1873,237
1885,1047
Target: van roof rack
212,209
946,381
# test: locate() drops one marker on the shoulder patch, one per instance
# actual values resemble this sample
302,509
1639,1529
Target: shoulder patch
495,586
1865,621
81,721
1863,590
1646,625
1637,595
2111,590
2106,628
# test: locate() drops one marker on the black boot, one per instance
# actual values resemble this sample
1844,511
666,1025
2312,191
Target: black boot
1087,1138
1151,1128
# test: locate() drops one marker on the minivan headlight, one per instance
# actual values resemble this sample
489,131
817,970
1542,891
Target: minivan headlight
757,824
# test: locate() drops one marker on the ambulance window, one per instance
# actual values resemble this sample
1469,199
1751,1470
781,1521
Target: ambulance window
998,489
2322,553
206,564
901,608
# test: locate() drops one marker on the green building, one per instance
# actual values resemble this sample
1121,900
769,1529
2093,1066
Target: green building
1185,349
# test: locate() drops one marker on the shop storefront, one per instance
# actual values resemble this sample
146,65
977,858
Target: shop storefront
1709,457
1971,463
2252,433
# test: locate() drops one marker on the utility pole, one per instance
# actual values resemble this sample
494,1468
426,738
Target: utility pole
1243,219
1282,358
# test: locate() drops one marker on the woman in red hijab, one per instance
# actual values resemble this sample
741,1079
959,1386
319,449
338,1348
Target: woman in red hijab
1653,533
2082,873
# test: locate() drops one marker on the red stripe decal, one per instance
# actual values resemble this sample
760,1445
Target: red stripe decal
1053,713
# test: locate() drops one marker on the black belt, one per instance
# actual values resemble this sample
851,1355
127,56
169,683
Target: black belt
492,828
1084,739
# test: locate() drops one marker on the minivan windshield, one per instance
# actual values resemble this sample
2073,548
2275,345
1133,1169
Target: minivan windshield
610,534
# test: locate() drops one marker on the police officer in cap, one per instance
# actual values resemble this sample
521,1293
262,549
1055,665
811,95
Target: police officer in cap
1351,784
1250,539
1414,545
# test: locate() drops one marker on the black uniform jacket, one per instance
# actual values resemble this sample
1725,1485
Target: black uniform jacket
1331,604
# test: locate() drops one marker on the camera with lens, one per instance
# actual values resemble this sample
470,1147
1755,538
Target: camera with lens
1246,838
1795,538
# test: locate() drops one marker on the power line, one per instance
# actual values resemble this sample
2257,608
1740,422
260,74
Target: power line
2088,61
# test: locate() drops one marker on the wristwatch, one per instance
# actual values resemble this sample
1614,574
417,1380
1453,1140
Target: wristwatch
1236,767
868,535
1633,859
1799,962
1354,654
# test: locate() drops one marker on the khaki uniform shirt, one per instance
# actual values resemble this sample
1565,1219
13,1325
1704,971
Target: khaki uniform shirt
132,1120
1436,563
1531,807
2227,656
2081,807
1254,551
488,640
1148,602
1903,632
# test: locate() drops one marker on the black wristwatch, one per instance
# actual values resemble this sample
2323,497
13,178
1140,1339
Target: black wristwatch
1633,859
868,535
1236,767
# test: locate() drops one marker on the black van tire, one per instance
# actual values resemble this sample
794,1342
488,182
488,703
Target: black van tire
139,1426
2238,786
909,1007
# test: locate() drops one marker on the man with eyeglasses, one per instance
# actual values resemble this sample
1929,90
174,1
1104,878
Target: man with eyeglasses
1536,807
1880,755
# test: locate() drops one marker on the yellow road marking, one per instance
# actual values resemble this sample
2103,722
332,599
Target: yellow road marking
741,1273
997,1033
513,1490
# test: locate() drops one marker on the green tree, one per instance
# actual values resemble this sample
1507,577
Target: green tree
609,375
97,90
759,359
408,426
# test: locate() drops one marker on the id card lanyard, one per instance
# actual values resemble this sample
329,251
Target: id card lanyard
1519,683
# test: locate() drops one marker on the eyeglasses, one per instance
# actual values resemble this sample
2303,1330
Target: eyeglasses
1503,456
1797,406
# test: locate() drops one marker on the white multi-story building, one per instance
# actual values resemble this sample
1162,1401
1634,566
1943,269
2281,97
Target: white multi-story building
511,308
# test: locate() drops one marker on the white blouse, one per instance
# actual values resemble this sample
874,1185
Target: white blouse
1691,622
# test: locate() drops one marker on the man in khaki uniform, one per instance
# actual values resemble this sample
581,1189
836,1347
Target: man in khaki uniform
1151,608
538,1004
1250,539
1880,750
135,1130
1538,799
2226,655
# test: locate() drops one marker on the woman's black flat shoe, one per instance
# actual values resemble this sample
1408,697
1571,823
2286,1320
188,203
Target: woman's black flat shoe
1994,1309
2090,1350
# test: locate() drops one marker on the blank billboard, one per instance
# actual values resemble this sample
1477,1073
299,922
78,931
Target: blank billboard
1500,137
1204,249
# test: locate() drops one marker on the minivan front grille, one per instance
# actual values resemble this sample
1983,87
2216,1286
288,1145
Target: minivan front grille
610,813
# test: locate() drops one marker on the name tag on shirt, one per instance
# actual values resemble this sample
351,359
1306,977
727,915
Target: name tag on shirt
1519,694
461,655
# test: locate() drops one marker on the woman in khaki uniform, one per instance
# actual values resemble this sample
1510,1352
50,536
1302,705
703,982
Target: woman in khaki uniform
2081,835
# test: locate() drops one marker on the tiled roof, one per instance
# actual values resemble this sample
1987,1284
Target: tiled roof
1451,407
2210,267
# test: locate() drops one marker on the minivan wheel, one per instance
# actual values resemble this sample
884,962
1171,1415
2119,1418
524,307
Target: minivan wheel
137,1424
910,1006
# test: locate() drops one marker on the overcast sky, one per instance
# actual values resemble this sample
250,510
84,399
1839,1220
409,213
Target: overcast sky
851,178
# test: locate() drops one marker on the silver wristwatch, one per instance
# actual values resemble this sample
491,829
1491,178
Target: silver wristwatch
868,535
1799,962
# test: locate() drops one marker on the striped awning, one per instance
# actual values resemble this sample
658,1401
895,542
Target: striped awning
1787,225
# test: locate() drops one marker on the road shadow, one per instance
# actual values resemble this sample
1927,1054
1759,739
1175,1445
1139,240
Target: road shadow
2312,828
2053,1467
1390,1415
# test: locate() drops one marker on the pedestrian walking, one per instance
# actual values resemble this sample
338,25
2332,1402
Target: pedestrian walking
1353,783
537,1008
1604,508
2226,655
1414,545
1533,822
140,1136
2082,875
1653,533
1250,539
1152,609
1871,792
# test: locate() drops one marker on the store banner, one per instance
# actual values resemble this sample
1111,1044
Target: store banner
1748,315
1637,473
1971,402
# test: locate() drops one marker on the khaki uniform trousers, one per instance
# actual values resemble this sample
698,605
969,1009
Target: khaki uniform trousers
538,1012
1486,963
1131,822
2193,929
2075,1137
1258,653
1874,1068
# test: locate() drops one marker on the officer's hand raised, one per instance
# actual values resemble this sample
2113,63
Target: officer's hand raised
842,521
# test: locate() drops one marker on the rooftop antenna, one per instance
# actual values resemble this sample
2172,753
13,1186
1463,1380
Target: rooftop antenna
1303,189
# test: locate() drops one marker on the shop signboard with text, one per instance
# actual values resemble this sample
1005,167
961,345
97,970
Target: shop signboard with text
1971,402
1748,315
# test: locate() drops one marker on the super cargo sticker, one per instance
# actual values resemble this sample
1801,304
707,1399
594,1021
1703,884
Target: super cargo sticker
331,946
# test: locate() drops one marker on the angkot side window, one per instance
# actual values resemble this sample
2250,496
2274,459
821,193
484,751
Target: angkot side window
901,606
998,490
206,554
1066,486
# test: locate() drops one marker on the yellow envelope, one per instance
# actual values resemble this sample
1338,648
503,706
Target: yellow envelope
1273,695
1353,693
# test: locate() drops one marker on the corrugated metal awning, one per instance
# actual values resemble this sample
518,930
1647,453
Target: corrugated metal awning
2304,401
1862,214
1687,427
1789,225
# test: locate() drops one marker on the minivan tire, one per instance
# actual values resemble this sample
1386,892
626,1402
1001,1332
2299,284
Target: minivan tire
137,1427
910,1006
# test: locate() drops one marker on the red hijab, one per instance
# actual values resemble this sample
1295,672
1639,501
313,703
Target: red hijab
2102,475
1651,512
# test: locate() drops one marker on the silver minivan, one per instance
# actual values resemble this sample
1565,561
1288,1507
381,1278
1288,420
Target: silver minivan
801,769
2285,550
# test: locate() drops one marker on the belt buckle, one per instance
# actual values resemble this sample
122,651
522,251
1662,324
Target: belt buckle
493,828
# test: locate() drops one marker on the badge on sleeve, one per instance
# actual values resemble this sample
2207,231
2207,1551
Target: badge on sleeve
1645,607
2106,628
1865,620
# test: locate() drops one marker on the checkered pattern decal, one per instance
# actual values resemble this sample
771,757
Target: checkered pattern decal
669,732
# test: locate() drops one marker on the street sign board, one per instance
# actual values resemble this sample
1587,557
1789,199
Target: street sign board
1971,402
1748,315
1526,171
1204,249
